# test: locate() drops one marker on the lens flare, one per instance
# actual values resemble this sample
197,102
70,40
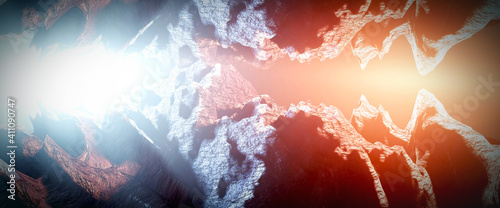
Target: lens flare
80,80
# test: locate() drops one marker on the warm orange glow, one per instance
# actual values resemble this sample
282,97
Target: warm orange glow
392,82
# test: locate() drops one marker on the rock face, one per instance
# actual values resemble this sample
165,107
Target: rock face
208,139
300,30
308,155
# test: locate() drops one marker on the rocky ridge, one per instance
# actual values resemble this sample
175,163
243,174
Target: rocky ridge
211,140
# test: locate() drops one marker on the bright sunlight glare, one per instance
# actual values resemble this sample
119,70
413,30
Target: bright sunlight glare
80,80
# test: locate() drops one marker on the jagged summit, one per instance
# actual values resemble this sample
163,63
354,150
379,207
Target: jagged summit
208,139
260,154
